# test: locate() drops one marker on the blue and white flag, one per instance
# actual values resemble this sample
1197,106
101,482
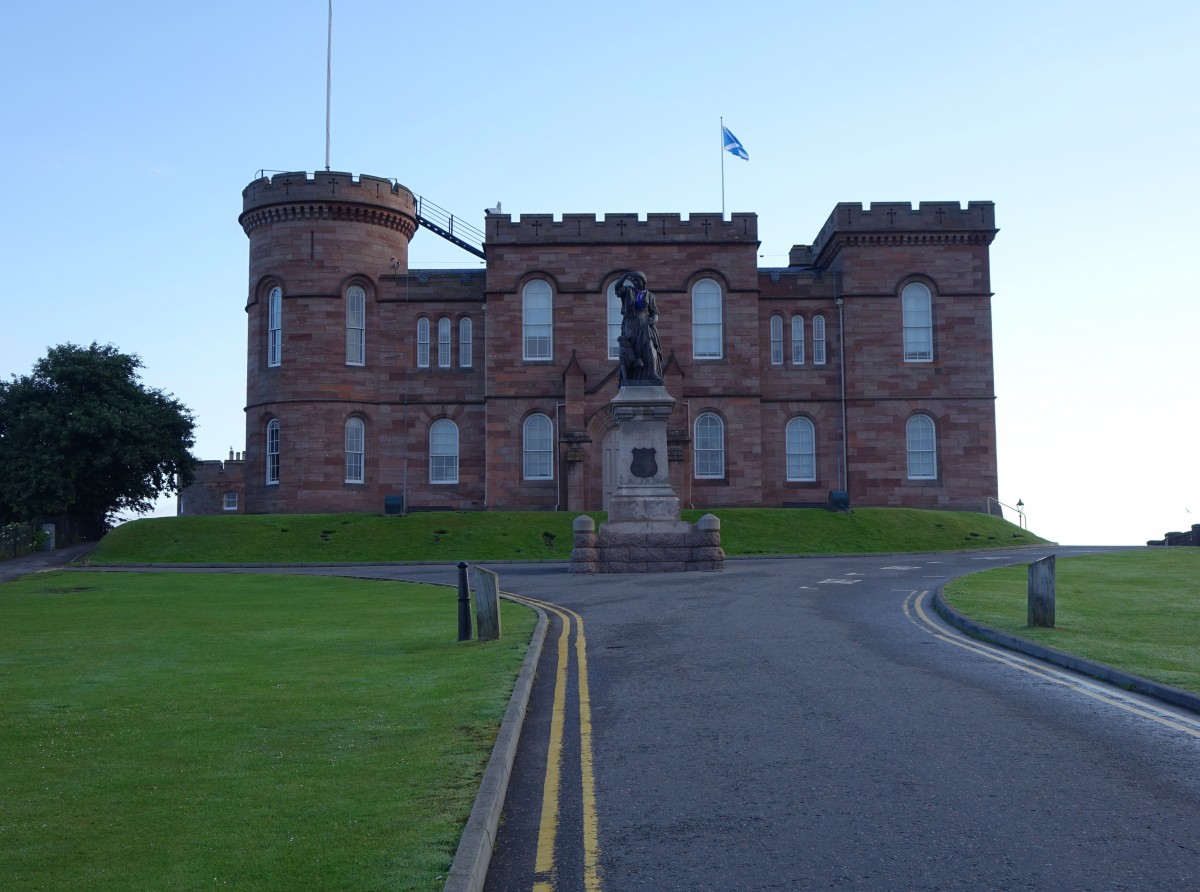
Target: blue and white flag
733,145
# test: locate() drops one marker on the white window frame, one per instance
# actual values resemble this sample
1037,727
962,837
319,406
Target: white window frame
776,339
614,322
537,447
443,452
272,452
466,345
708,331
920,437
229,501
797,340
708,447
355,450
818,335
916,302
274,328
423,343
800,438
444,343
356,326
537,321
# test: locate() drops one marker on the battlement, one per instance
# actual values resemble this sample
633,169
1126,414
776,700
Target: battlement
327,194
574,229
977,220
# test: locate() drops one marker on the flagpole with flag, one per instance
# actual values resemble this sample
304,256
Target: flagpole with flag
732,145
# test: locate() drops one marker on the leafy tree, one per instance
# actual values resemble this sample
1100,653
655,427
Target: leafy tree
82,436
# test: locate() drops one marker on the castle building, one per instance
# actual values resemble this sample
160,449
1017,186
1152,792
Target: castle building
864,365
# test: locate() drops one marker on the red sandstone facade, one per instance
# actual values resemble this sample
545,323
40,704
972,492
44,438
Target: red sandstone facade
350,407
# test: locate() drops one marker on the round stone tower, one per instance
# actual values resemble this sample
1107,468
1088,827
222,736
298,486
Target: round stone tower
320,245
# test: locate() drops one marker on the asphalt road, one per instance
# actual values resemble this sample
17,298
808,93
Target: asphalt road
793,724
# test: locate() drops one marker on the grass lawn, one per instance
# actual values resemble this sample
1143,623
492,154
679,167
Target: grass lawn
256,732
530,535
1138,610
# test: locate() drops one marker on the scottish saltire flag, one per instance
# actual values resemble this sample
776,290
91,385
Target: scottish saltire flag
733,145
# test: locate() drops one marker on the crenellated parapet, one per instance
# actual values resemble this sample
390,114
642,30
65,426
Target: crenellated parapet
899,223
575,229
328,196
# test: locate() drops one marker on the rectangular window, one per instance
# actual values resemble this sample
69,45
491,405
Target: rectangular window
466,345
537,322
443,343
818,328
422,343
918,325
797,340
275,327
356,326
706,326
776,340
229,501
614,323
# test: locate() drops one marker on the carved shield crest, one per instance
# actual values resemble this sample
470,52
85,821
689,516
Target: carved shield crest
644,464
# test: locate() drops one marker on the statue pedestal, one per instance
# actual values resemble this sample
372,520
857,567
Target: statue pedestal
644,533
643,493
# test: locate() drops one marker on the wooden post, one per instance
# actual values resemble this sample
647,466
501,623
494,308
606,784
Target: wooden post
486,586
1041,593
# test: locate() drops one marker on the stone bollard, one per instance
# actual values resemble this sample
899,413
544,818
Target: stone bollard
584,554
1041,593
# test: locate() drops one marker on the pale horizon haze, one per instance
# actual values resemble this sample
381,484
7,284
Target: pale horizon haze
131,129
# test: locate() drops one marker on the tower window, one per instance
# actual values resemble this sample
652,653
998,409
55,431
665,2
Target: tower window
356,326
274,327
537,318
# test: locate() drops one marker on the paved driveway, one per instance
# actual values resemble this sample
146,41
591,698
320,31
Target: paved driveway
796,724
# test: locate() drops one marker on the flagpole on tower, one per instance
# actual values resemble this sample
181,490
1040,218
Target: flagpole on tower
722,163
328,80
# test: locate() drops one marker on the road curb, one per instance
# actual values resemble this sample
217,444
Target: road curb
469,869
1111,674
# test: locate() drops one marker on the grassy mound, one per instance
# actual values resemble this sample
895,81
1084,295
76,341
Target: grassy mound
530,535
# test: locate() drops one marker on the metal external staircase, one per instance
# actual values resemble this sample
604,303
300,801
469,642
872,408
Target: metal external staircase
448,227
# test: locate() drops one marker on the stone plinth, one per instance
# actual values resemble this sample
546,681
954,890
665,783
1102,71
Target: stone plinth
647,547
644,533
643,492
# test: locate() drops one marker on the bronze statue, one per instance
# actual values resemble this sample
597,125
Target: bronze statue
640,350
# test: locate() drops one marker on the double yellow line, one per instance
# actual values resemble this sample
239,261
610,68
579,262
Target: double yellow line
545,866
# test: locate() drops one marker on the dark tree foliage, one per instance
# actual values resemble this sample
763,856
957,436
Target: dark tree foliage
82,436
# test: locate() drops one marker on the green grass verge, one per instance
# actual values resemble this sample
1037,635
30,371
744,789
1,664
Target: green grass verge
273,733
529,535
1137,610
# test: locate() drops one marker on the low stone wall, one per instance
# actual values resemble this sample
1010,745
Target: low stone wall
647,547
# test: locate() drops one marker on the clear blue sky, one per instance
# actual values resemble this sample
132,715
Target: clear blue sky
131,128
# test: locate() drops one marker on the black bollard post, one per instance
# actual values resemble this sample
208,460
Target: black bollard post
464,604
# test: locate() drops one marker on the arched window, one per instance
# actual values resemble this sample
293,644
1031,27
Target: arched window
443,451
922,448
537,443
614,322
708,447
776,340
537,320
801,445
273,451
443,343
917,309
466,346
274,327
707,326
818,327
355,449
422,343
356,326
797,340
